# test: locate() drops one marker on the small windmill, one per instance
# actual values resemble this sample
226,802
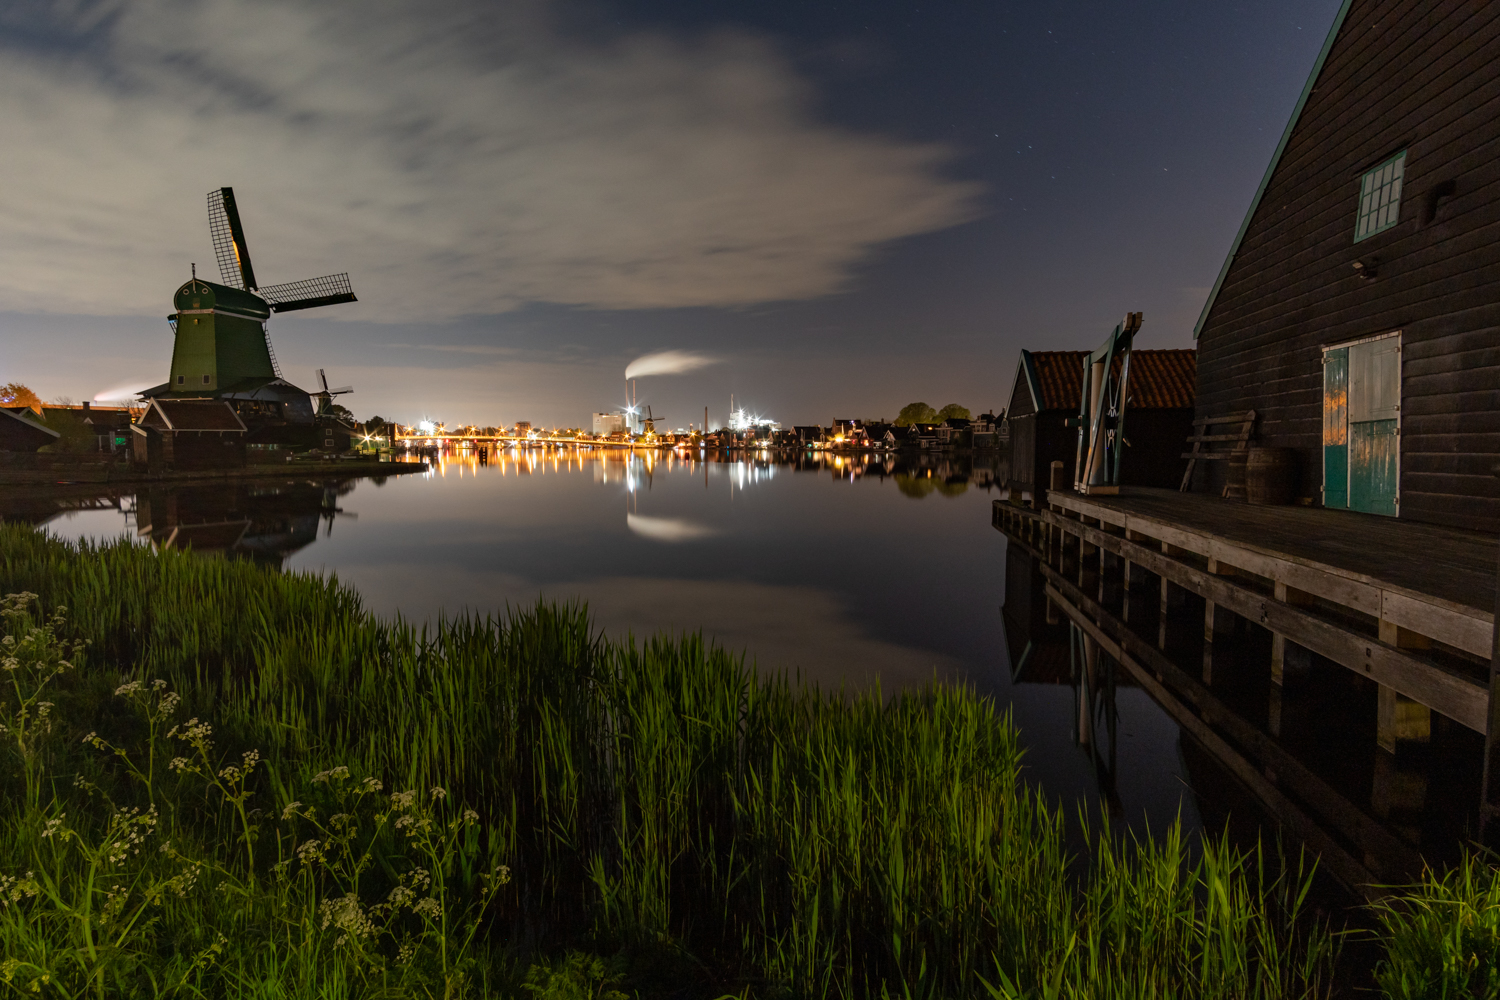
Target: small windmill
325,395
651,420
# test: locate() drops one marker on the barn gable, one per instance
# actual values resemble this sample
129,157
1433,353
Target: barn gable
1368,254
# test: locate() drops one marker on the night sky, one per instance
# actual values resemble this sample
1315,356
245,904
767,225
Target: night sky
842,208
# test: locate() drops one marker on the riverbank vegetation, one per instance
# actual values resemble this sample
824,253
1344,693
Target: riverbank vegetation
224,781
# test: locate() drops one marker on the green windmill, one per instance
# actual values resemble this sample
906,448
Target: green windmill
222,349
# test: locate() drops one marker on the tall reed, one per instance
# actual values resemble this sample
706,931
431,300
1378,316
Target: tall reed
1442,935
652,798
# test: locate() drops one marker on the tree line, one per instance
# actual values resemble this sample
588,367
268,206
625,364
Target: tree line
921,413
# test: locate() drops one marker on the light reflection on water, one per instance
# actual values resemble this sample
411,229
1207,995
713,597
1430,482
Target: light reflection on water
848,570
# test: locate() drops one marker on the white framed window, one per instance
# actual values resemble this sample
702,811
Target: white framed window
1380,197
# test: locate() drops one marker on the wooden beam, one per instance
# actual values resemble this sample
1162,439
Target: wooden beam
1460,698
1489,786
1334,858
1368,834
1447,622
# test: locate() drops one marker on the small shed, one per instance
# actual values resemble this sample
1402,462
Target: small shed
1045,400
20,430
188,435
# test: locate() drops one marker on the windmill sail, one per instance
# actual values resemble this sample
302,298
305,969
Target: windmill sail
228,235
325,291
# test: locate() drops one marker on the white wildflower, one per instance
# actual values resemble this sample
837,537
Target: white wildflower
348,916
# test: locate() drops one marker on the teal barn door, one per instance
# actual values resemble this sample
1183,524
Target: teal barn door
1374,410
1336,428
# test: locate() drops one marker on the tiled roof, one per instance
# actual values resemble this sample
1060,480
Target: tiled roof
1163,380
192,415
24,415
1059,378
1159,380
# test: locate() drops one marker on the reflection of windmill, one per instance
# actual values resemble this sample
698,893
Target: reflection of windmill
221,349
325,397
331,509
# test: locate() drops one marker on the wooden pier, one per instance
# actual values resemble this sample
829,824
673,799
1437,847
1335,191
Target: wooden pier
1406,606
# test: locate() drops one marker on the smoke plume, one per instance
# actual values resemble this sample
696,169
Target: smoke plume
665,363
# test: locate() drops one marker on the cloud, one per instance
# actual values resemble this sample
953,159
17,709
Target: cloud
461,348
667,529
666,363
454,159
119,392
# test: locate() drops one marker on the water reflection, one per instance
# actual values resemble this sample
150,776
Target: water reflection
849,569
667,529
263,522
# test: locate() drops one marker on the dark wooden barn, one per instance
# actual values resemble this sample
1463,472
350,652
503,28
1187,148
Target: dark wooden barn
1358,311
1046,396
22,430
189,434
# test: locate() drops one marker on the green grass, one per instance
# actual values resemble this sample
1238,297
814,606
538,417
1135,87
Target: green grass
247,786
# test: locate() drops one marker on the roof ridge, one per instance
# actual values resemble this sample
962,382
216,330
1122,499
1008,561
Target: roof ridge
1265,181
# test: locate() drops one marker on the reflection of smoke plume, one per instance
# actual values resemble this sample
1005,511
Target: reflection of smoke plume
667,529
665,363
122,392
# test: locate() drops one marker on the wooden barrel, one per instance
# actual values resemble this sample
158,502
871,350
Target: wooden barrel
1234,477
1270,475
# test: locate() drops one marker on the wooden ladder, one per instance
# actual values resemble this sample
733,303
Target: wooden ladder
1200,437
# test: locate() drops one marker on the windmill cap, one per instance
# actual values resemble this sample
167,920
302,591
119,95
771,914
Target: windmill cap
200,294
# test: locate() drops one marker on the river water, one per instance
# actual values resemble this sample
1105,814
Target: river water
849,571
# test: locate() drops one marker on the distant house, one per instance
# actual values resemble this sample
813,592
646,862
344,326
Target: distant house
1045,399
189,435
984,432
1356,312
878,434
808,434
934,437
21,430
111,426
849,432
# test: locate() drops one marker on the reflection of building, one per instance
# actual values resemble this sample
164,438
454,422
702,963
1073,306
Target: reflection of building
1038,648
38,506
609,423
262,522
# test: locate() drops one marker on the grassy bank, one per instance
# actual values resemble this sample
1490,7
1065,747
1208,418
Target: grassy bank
244,785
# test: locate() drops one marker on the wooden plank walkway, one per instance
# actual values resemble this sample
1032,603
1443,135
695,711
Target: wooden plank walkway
1301,575
1434,581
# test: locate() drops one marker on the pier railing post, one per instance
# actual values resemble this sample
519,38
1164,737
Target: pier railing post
1218,622
1287,657
1400,718
1489,788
